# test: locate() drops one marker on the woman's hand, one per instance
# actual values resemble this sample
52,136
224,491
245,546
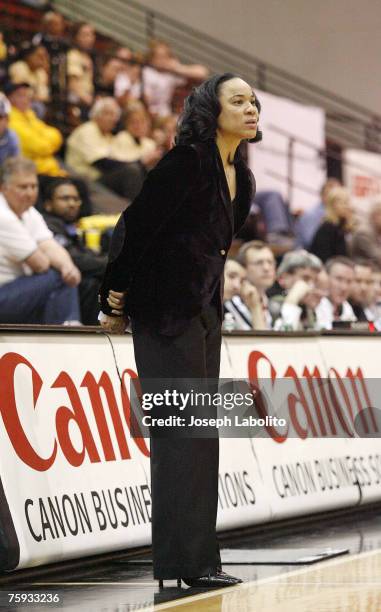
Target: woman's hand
116,300
114,325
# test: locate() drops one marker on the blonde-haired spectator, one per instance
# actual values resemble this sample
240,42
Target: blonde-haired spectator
331,238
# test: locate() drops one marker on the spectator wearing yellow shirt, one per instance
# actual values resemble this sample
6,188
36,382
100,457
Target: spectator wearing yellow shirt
38,140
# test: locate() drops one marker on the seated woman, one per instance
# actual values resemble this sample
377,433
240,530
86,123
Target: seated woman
133,143
330,239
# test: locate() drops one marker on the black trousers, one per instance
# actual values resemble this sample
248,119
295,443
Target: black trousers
184,470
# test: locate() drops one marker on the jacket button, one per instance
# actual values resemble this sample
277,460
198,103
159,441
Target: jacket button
223,252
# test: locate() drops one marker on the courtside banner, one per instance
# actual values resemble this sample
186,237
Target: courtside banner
74,481
327,388
358,382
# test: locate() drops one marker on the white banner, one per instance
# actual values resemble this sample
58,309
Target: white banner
74,482
293,135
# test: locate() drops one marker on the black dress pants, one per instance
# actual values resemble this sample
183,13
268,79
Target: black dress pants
184,470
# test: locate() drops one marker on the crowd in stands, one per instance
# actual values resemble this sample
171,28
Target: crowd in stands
74,120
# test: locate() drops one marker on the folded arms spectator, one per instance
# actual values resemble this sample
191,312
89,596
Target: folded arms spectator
38,280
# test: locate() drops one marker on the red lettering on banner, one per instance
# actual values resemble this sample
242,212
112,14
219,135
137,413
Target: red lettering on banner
293,400
66,415
9,413
77,414
94,388
332,402
310,377
360,377
336,404
129,415
318,407
260,404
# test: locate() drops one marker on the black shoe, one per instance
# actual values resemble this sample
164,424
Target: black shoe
219,579
161,584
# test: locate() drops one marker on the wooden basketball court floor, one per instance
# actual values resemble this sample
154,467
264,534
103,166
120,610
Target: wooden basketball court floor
349,583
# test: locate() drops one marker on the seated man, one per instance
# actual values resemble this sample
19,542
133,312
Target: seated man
335,306
294,308
93,151
259,261
362,290
61,210
38,279
241,298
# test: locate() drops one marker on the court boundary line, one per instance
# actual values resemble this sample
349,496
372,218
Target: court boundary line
271,579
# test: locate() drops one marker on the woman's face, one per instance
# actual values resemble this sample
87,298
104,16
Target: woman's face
239,115
86,37
138,124
341,206
38,59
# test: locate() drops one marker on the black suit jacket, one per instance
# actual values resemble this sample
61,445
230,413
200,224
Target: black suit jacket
169,247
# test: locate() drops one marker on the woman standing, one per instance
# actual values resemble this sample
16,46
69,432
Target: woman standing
165,272
331,237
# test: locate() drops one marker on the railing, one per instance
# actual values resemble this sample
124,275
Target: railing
347,123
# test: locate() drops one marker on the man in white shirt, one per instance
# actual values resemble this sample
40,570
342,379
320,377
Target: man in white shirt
38,279
335,307
294,308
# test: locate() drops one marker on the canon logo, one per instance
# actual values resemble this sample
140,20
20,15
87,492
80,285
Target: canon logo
324,401
66,415
326,410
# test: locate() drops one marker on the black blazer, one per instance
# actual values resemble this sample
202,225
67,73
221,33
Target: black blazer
169,247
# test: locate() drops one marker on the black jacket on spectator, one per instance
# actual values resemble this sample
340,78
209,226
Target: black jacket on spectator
170,245
329,241
91,265
85,259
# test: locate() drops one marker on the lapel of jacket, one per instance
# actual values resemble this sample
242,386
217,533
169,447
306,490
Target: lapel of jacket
223,187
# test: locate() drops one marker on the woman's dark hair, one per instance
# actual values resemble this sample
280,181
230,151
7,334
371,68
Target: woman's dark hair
198,121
